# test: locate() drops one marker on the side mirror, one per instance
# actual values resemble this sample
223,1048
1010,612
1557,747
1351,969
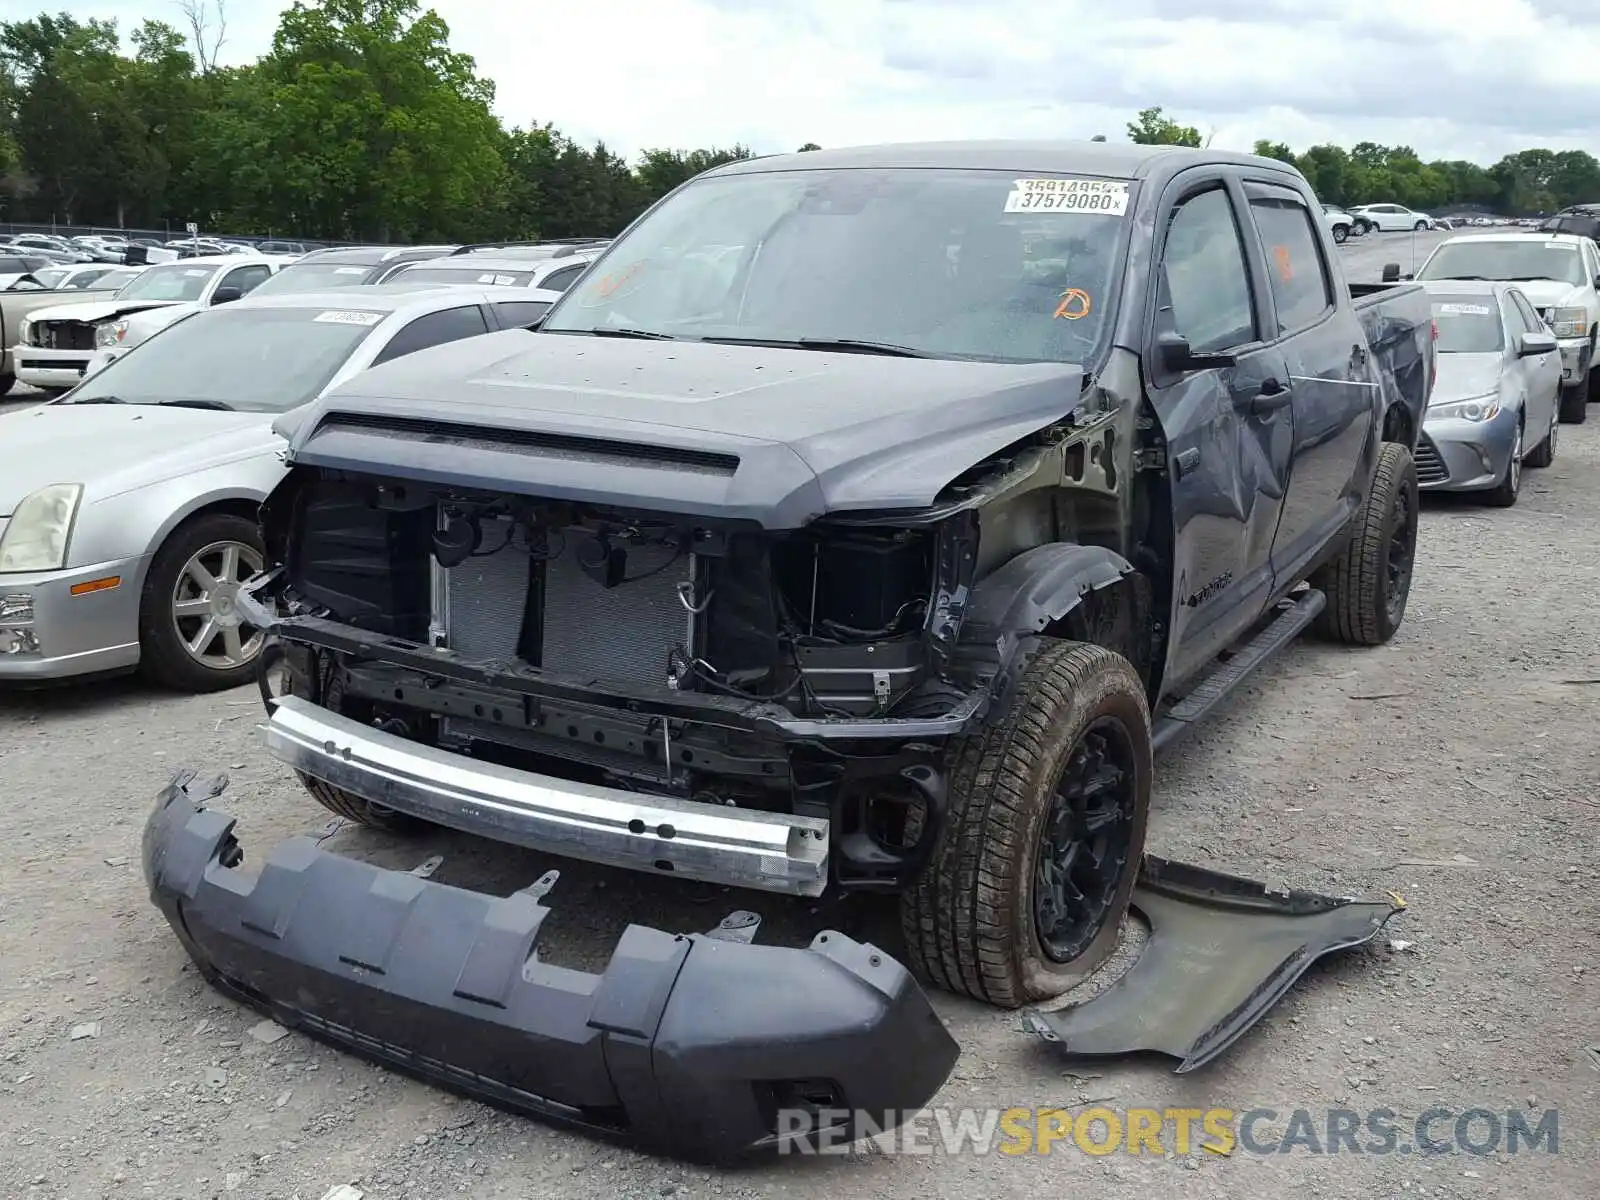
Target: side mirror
226,295
1535,344
1176,356
1391,272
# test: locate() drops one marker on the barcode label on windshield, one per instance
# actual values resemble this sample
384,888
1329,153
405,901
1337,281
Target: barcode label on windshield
1463,310
1095,197
336,317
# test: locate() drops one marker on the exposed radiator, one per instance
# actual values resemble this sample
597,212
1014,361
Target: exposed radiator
622,634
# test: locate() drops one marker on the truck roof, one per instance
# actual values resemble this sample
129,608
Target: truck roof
1124,160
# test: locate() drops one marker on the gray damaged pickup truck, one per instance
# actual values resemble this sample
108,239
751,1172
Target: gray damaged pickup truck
863,519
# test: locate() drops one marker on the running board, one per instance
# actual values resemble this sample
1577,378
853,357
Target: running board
1292,619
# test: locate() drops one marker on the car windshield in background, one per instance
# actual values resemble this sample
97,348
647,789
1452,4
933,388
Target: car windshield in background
51,276
1515,261
174,281
936,263
1468,325
299,278
247,359
459,274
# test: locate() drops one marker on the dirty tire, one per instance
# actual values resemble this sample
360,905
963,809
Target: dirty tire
162,657
1365,605
1574,405
969,920
361,812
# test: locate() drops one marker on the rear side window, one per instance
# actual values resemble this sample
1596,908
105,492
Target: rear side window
519,314
434,330
560,281
1207,281
1301,289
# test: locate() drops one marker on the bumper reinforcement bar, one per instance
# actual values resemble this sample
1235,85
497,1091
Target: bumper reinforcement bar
697,1046
710,843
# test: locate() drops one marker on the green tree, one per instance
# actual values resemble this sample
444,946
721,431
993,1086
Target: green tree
662,170
1277,150
1153,128
808,146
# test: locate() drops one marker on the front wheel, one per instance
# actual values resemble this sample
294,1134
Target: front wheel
192,635
1545,452
1420,226
7,382
1574,404
1034,867
1504,494
1340,234
1369,582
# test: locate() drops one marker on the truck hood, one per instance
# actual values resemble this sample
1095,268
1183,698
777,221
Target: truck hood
97,310
774,435
114,448
1553,293
1465,376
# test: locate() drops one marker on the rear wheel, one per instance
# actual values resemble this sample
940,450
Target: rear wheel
1368,584
1033,870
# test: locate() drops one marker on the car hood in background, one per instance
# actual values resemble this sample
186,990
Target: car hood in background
114,448
1465,376
95,310
1552,293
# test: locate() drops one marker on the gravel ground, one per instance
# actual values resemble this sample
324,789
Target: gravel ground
1467,743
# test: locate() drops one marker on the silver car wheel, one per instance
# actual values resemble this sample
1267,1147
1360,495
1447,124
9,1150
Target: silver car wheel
205,606
1515,477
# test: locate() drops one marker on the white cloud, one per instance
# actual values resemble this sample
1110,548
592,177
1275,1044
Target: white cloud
1453,80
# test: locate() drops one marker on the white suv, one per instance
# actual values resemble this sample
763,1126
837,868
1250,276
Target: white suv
1389,217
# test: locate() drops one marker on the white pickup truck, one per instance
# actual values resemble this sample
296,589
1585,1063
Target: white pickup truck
55,344
1559,273
1341,224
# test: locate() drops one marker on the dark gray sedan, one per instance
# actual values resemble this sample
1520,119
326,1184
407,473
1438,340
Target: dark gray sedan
1494,404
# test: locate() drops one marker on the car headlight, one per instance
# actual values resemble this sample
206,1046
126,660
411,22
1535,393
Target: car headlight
25,332
109,333
38,533
1480,408
1569,322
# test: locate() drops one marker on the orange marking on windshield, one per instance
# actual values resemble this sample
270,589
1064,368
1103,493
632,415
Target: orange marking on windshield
1075,305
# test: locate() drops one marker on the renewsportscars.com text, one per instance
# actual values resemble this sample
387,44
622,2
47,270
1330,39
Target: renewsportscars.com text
1162,1131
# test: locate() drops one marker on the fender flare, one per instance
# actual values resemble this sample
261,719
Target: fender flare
1037,588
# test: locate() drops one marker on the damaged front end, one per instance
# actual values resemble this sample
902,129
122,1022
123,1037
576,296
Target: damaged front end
702,1047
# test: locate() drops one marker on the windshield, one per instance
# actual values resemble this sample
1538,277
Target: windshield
1468,325
265,360
936,263
497,277
51,276
299,278
1521,261
172,282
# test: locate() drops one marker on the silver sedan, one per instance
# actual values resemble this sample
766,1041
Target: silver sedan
1494,404
128,506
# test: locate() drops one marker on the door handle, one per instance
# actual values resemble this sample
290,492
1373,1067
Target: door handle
1269,397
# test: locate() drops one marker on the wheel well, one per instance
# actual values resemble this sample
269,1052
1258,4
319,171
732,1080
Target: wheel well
233,506
1117,617
1397,426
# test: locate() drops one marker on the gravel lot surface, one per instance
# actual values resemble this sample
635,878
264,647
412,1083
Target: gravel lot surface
1467,744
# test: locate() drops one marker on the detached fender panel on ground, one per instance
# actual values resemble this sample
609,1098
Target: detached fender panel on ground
687,1045
1222,951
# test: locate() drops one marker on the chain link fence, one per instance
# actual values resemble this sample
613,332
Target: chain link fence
168,233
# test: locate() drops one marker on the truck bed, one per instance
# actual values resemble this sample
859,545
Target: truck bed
1398,322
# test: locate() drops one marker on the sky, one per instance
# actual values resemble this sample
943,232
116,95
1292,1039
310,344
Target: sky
1472,79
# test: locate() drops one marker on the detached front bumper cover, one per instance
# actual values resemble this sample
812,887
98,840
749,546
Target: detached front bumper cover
697,1046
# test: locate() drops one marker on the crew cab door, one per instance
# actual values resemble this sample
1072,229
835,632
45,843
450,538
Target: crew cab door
1226,425
1335,403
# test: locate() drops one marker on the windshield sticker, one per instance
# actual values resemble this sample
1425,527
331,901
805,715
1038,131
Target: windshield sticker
196,274
1462,310
336,317
1094,197
507,280
1285,263
1075,305
350,270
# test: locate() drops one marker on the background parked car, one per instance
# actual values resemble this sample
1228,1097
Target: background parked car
1494,401
1340,223
156,464
555,274
1390,217
55,344
348,266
